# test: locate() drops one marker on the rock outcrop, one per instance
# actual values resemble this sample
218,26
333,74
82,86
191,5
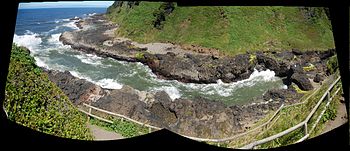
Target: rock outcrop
198,117
195,67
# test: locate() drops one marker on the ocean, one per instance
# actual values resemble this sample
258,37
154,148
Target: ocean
39,31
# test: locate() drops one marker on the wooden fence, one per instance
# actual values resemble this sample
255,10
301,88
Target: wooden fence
303,123
264,125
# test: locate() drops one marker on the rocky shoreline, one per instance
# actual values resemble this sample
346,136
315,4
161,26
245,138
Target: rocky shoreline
173,63
198,117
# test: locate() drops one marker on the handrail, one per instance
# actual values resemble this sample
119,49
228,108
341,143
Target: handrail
3,107
190,137
122,116
327,93
249,146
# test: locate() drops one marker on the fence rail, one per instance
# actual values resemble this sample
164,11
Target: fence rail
253,144
303,123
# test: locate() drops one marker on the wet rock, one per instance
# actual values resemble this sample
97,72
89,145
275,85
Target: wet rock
78,90
285,55
301,81
123,101
284,95
281,69
318,78
297,52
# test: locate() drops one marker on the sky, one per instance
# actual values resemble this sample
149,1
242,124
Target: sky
61,4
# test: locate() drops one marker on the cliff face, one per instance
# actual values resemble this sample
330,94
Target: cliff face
232,29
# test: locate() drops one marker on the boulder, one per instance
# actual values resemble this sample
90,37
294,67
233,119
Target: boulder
285,95
302,81
318,78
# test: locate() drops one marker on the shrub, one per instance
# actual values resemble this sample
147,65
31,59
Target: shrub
32,100
332,64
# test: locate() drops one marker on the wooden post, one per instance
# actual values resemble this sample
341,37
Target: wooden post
305,128
88,119
328,96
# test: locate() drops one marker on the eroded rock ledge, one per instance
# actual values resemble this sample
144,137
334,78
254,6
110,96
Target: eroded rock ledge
198,117
171,62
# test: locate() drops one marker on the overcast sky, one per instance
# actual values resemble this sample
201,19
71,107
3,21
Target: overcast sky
65,4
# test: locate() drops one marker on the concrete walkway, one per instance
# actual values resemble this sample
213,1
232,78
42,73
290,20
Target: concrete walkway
102,134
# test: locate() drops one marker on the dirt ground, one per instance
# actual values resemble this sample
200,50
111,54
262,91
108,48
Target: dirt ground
341,118
102,134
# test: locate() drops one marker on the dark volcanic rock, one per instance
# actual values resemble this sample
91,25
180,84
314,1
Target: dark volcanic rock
301,81
297,52
78,90
124,101
204,117
280,68
284,95
318,78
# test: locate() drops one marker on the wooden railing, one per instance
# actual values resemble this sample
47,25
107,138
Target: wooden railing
304,123
264,125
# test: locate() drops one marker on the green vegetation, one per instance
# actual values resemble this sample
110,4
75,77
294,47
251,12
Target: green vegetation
310,67
32,100
296,88
292,116
139,55
332,64
231,29
252,59
123,127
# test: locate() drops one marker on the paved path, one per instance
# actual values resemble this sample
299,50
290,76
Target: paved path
341,118
102,134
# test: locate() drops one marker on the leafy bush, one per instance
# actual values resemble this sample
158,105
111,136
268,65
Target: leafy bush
32,100
139,55
332,64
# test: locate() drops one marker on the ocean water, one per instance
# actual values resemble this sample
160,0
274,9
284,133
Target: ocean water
39,30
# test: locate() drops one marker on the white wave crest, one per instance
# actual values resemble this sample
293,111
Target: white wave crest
172,91
71,25
89,59
109,84
41,62
92,14
226,89
30,40
104,83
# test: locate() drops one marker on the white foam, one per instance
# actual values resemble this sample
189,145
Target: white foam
71,25
89,59
104,83
226,89
80,76
30,40
109,84
172,91
284,87
41,63
54,38
92,14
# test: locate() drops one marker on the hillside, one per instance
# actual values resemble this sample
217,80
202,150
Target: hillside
32,100
231,29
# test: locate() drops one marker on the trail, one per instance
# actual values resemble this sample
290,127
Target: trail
340,119
101,134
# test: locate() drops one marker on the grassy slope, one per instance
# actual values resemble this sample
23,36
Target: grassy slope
34,101
232,29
